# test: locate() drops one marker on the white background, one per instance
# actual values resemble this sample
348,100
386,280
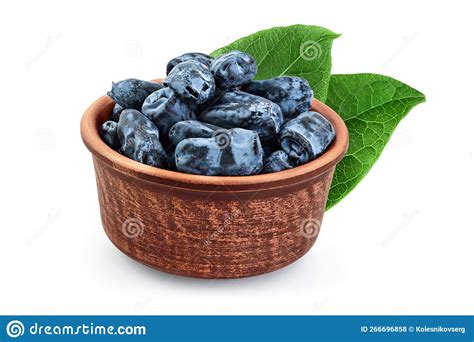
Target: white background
401,243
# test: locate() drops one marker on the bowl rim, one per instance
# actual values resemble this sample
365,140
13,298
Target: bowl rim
91,121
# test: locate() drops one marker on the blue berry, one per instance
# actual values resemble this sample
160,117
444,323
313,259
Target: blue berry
233,69
277,161
306,137
192,81
108,132
196,56
140,139
209,103
131,93
116,111
292,94
165,108
239,109
190,129
235,152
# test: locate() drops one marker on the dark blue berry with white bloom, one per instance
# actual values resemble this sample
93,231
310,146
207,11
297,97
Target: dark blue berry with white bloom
131,93
239,109
306,137
194,56
234,152
233,69
140,139
292,94
165,108
108,132
192,81
190,129
277,161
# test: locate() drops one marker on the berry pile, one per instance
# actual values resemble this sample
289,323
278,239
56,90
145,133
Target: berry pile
209,117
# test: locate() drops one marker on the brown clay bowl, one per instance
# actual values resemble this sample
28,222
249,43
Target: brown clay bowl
207,226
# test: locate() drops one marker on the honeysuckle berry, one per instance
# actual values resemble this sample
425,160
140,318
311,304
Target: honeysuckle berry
292,94
140,139
233,69
190,129
131,93
234,152
192,81
306,137
165,108
239,109
195,56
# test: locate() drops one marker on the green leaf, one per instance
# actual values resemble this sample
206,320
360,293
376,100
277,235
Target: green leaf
296,50
371,106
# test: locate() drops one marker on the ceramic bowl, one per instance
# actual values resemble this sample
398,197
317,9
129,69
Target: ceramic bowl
209,226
